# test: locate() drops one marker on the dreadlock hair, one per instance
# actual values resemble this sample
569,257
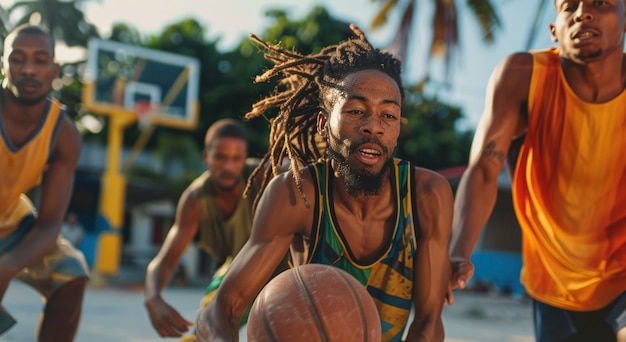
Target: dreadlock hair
300,96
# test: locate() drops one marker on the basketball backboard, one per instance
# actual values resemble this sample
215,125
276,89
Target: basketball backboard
152,84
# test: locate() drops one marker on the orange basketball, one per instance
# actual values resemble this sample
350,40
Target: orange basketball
314,302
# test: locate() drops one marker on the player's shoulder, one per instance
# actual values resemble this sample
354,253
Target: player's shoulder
195,189
427,180
516,64
69,140
290,182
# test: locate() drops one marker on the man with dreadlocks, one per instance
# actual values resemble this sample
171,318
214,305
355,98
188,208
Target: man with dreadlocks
345,201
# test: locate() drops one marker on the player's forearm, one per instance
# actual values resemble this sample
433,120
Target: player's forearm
158,276
40,241
216,323
475,199
426,329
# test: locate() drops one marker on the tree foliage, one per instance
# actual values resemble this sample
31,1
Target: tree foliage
227,90
63,18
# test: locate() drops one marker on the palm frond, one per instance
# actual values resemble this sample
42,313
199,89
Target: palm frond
487,18
399,44
382,16
532,34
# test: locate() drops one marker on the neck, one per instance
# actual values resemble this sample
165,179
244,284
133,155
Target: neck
596,82
362,203
16,111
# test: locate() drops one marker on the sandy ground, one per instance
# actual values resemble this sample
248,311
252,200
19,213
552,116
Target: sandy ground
116,313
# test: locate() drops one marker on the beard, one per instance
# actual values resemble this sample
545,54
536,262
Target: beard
14,89
221,185
358,181
591,55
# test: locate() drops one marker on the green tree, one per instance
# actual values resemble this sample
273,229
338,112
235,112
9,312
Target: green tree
430,138
64,19
125,33
5,22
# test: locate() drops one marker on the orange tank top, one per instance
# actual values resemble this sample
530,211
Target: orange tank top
22,167
569,193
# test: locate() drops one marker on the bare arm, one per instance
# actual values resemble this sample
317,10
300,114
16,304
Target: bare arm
279,216
504,117
56,192
432,265
161,269
164,318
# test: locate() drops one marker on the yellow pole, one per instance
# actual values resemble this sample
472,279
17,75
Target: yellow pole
112,198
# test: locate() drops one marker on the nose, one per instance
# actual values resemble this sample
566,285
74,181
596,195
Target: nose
583,13
372,125
28,68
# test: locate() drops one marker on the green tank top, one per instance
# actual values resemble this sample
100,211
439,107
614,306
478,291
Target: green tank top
223,239
389,278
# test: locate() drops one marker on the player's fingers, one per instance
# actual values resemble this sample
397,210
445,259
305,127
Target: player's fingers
449,299
166,330
177,322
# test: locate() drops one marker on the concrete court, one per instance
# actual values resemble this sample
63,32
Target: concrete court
116,313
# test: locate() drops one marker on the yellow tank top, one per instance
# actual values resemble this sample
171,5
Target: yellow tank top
569,193
22,167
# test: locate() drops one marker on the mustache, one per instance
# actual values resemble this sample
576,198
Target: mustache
354,145
227,174
28,81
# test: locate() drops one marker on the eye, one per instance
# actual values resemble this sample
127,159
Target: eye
568,7
15,59
389,116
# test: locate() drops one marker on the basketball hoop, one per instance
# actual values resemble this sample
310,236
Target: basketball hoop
145,111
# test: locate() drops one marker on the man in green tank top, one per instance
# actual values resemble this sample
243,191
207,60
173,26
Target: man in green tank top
211,206
346,201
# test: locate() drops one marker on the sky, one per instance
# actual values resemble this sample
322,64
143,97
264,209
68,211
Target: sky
233,20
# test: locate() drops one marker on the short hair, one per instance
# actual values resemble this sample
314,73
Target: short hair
224,128
29,29
300,96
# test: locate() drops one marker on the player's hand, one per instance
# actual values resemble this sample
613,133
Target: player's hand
165,319
462,272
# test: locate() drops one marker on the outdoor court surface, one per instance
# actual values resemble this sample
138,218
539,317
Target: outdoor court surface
116,313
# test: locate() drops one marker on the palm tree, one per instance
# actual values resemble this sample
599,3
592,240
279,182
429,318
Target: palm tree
445,37
64,19
532,34
5,22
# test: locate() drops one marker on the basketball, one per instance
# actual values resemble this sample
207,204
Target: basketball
314,302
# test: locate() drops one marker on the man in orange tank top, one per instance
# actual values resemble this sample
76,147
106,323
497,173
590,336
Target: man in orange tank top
569,104
39,146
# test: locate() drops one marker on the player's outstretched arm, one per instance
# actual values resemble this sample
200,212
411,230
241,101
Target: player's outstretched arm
279,215
166,321
504,118
434,205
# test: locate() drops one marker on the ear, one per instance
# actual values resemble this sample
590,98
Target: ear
321,124
204,156
553,33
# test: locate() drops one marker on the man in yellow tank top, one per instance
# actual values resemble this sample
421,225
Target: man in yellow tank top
39,146
569,180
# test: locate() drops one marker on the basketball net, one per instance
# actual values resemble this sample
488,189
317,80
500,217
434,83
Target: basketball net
145,111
